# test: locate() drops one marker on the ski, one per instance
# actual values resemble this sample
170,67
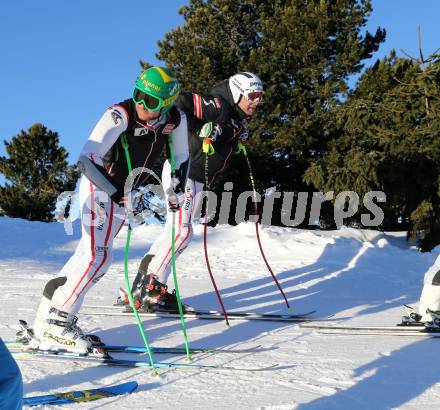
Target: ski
36,354
81,396
412,330
200,314
15,345
396,328
428,335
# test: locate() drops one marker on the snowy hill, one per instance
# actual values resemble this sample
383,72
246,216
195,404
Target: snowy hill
360,277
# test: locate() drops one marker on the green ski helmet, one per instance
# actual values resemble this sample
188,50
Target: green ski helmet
156,88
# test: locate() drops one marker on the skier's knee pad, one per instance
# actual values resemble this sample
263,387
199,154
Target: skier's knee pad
53,285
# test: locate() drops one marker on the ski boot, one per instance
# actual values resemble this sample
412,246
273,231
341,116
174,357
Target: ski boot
42,314
156,298
30,342
95,341
124,301
137,287
412,318
433,325
55,330
56,333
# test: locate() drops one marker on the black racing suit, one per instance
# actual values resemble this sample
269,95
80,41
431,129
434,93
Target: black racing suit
218,107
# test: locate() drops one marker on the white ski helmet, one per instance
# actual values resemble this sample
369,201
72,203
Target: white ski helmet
245,83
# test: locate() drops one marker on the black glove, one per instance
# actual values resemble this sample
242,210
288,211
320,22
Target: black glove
244,134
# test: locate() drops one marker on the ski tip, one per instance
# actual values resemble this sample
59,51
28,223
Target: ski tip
82,396
130,386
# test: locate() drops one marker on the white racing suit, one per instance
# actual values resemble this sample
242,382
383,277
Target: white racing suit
101,220
191,201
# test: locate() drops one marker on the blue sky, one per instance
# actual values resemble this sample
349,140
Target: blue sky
63,63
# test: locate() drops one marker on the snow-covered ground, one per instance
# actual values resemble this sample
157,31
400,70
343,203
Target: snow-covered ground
360,277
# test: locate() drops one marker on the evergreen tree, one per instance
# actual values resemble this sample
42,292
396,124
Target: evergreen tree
389,142
304,52
36,173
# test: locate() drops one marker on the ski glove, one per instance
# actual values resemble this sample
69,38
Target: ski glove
244,134
173,200
137,204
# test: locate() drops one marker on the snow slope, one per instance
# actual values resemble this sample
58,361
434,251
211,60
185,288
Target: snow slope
361,277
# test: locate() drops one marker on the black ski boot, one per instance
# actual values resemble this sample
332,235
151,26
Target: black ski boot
156,298
138,285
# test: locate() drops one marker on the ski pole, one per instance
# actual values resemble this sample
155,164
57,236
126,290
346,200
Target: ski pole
242,148
127,282
208,149
173,252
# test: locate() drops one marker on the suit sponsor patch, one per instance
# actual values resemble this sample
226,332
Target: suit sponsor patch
100,250
116,116
141,131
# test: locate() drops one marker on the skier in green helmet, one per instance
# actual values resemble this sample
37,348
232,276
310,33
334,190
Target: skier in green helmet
145,122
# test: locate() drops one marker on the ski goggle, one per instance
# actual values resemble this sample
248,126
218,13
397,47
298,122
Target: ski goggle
254,96
150,102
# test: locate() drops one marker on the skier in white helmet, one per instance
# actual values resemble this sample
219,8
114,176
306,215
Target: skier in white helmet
222,115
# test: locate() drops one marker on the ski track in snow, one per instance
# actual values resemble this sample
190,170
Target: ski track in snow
360,277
